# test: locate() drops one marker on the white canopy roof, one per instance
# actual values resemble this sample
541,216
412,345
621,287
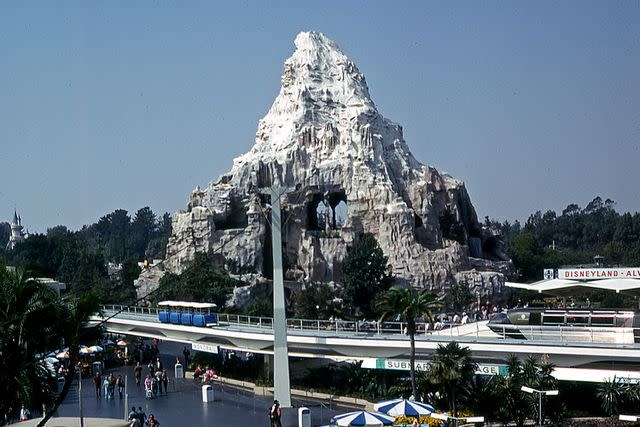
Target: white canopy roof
563,287
185,304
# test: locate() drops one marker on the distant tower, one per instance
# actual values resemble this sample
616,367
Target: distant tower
17,235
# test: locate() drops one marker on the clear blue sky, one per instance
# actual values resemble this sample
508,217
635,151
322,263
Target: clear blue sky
107,105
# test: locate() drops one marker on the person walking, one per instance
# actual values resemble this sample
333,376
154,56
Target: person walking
137,372
165,381
105,386
133,418
25,414
157,378
97,382
186,353
158,366
152,422
120,385
141,415
275,414
112,386
148,387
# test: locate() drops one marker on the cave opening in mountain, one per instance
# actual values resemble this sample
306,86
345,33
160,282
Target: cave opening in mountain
237,217
419,231
312,213
323,213
328,212
338,215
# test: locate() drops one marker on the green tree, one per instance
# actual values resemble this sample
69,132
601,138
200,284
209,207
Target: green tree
113,233
259,307
72,317
199,282
315,301
143,228
611,393
33,320
452,369
516,405
458,296
365,275
28,326
526,253
409,305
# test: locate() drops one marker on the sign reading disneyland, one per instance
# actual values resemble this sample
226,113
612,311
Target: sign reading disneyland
598,273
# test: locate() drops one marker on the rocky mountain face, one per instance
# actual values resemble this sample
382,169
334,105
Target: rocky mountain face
351,172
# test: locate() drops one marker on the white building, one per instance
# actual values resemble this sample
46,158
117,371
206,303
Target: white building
17,233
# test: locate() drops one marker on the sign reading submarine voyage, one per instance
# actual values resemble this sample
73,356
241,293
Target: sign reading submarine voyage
404,365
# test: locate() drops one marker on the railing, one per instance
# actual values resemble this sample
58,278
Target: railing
337,326
614,335
130,312
589,334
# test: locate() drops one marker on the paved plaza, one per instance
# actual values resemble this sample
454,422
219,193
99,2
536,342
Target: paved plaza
182,406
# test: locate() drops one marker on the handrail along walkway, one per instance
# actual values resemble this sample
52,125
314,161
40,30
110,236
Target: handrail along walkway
338,327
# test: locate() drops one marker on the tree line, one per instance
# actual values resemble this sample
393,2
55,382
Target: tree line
573,237
80,258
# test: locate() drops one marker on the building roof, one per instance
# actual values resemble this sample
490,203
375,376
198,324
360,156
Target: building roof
564,287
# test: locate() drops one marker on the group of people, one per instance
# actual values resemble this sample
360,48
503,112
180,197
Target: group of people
207,375
153,384
139,418
108,385
156,378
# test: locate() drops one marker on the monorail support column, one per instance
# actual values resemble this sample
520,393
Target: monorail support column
281,385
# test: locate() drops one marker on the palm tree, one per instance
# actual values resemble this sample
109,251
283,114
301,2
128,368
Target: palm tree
409,305
33,321
73,315
611,394
27,328
452,368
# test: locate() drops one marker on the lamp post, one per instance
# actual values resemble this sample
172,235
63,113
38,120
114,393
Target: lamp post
80,394
445,417
540,394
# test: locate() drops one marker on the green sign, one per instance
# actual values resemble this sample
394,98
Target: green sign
421,365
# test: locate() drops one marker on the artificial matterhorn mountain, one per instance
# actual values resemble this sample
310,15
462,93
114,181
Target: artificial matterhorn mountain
352,173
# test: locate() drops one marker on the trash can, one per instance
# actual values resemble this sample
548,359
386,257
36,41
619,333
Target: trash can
179,370
60,384
304,417
96,367
207,393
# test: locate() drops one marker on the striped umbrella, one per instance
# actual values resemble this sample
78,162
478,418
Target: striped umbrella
96,349
121,343
404,407
363,419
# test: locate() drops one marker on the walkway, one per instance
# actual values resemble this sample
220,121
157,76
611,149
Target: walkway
183,405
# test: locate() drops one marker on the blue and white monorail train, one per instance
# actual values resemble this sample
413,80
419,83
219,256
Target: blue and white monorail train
187,313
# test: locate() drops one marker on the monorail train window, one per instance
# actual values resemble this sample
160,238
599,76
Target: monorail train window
578,320
602,320
552,320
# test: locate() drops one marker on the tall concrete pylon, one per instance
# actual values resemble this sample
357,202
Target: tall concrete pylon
281,383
